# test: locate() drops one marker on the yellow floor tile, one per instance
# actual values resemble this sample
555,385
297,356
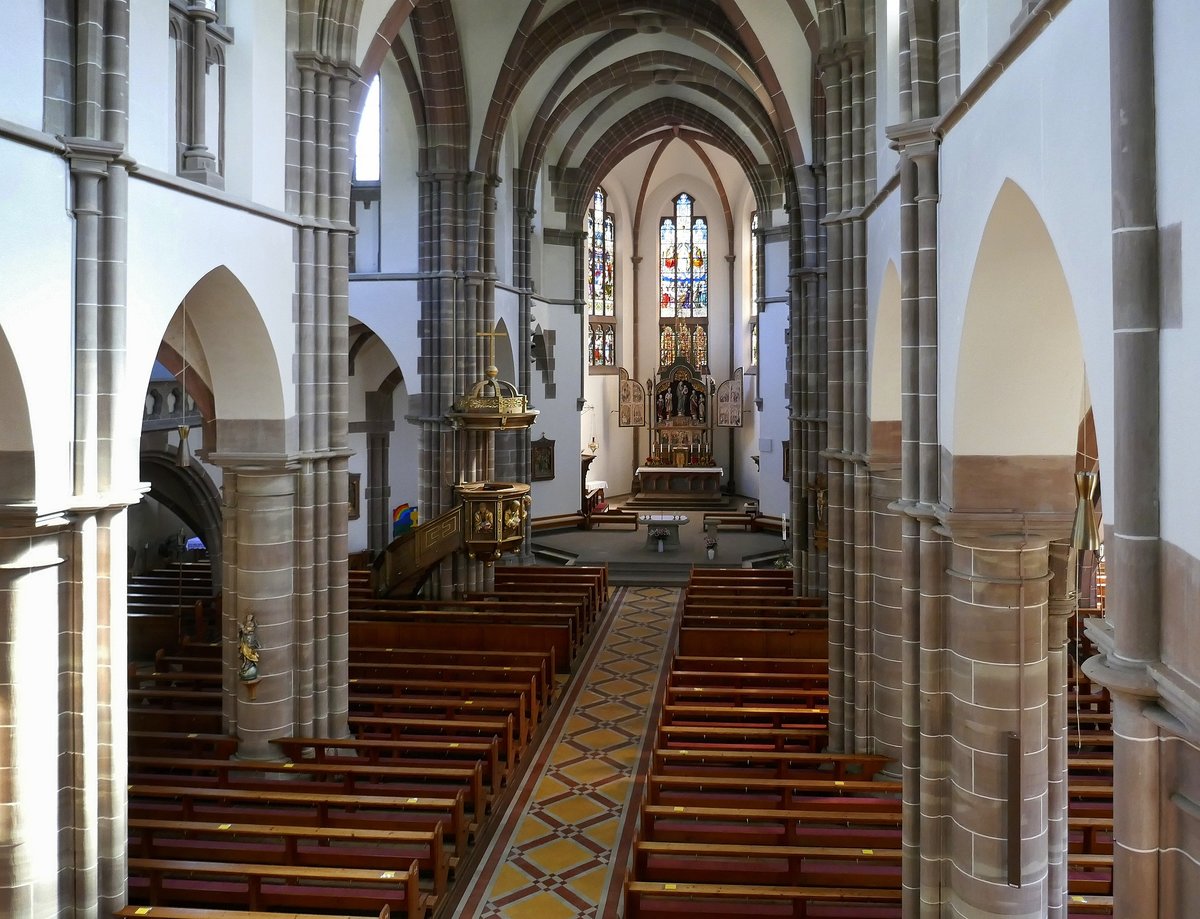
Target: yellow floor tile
590,885
556,857
590,771
544,905
575,809
507,880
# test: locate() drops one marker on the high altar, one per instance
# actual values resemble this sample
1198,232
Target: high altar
681,436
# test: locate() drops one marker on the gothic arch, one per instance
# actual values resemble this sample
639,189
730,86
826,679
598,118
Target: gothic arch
235,355
17,467
1020,382
190,495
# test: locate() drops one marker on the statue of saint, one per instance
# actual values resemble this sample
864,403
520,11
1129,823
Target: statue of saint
248,647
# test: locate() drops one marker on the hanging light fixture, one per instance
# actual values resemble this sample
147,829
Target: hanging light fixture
1085,534
183,454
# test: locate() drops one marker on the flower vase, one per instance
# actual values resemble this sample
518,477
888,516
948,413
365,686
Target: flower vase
660,546
712,553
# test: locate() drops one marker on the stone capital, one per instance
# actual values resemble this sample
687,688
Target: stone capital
915,139
977,527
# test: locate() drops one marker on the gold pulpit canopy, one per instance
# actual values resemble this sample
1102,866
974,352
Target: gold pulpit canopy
492,404
494,515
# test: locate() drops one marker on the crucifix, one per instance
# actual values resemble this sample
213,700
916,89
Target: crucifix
491,351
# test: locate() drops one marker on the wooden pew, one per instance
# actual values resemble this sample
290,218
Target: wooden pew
429,705
731,575
385,752
221,746
808,638
521,690
765,792
760,696
697,761
542,661
533,678
494,635
793,739
450,727
134,911
278,886
284,805
289,844
753,664
816,866
773,715
646,899
595,577
562,605
748,678
346,778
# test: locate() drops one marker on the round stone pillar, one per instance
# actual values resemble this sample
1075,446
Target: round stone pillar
996,682
30,678
260,549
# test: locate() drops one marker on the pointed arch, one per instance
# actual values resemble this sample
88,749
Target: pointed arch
17,466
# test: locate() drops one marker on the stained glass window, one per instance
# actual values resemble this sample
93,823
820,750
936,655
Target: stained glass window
600,282
683,279
666,346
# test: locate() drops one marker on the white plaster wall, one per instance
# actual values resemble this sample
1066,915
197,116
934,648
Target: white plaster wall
887,83
369,22
151,86
1045,125
23,25
984,26
773,424
883,374
789,55
392,309
36,234
255,103
883,255
165,262
1178,118
398,172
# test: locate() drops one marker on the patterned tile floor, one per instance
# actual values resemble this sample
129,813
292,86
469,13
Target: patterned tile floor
561,851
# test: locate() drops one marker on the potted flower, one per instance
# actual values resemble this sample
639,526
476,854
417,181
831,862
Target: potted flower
710,544
659,533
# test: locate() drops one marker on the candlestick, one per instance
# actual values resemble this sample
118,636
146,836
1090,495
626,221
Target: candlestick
784,529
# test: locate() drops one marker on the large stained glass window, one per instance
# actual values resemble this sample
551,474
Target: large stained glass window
599,283
683,285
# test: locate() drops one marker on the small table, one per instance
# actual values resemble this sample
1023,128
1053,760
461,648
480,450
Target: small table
659,522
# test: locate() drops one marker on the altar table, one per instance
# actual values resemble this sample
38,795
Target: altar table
668,523
690,481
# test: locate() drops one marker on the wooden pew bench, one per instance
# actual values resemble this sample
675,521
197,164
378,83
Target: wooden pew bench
452,727
807,639
454,635
728,521
134,911
446,706
288,844
345,778
561,605
807,866
284,805
734,678
220,746
795,739
426,618
689,712
595,577
647,899
534,677
521,691
752,664
542,661
768,792
696,761
406,751
730,575
759,696
278,886
848,826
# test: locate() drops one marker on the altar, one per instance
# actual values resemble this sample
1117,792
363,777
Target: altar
662,530
680,481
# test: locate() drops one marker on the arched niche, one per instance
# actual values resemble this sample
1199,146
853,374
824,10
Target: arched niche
1020,385
190,495
17,475
884,380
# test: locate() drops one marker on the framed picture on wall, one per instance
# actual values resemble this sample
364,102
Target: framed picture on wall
541,460
355,500
787,460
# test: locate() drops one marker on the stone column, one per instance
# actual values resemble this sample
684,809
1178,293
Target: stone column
262,555
199,163
42,689
887,650
996,682
1128,638
1063,601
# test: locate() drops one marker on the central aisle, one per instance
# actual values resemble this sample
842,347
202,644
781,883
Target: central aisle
573,821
